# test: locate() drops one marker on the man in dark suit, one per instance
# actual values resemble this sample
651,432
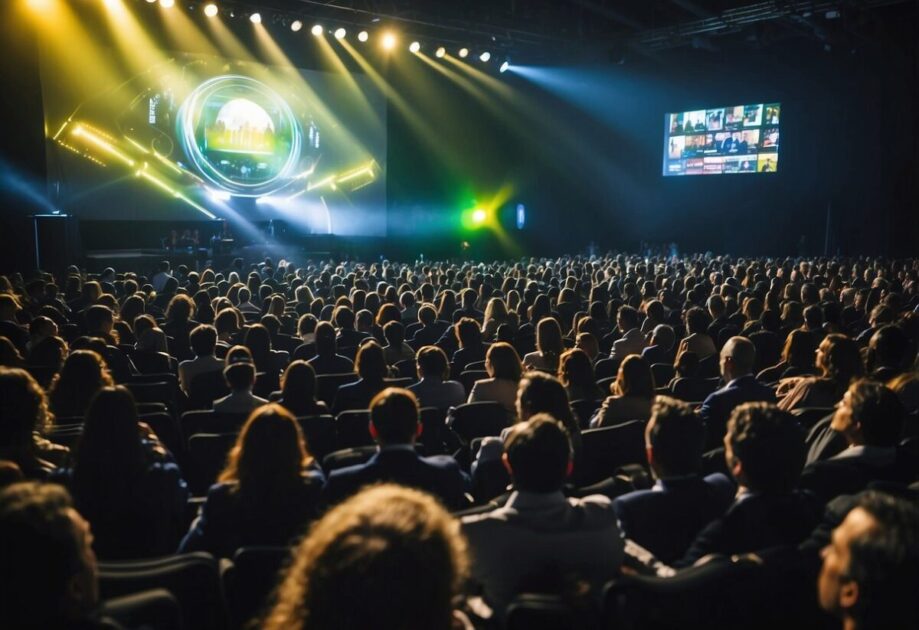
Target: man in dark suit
737,358
870,418
394,425
666,519
660,350
431,330
327,360
348,337
468,296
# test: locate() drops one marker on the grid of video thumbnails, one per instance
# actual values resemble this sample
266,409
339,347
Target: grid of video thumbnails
737,139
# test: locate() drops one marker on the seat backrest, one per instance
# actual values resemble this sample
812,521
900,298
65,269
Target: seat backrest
156,608
531,611
469,377
66,435
662,373
809,416
207,454
407,369
192,579
351,429
584,410
606,368
319,432
205,388
608,448
432,436
345,457
209,421
249,581
478,419
166,429
327,385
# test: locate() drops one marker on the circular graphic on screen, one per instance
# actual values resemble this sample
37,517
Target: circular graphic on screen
240,135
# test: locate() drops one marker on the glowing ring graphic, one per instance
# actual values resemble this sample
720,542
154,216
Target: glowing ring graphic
247,108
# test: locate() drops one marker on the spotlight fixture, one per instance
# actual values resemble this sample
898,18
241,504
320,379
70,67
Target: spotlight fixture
340,33
414,47
167,4
316,30
363,36
485,56
389,41
210,9
256,18
440,52
504,67
296,25
463,52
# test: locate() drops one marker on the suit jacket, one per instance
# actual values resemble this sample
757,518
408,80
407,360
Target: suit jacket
336,364
242,402
537,540
356,395
656,354
717,408
499,390
350,338
440,475
667,518
632,342
755,522
428,335
853,469
437,393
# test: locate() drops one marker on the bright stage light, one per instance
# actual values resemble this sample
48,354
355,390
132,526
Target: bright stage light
414,47
256,18
151,1
363,36
504,67
317,30
296,25
479,216
389,41
167,4
440,52
485,56
340,33
463,52
41,5
210,9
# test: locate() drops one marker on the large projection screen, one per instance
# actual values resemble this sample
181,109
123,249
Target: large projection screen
723,140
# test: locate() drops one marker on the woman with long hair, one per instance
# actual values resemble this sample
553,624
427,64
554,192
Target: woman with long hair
298,391
576,372
496,313
122,482
631,394
798,357
83,374
503,366
24,416
549,347
268,490
267,360
839,363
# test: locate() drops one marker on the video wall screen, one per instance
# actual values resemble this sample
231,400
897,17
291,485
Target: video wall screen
193,137
723,140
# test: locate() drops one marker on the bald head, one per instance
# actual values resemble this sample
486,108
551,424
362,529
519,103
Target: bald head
737,358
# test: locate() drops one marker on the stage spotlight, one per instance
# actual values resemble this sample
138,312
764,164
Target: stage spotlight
316,30
256,18
210,9
485,56
296,25
167,4
504,67
41,5
363,36
440,52
414,47
389,41
479,216
340,33
463,52
150,1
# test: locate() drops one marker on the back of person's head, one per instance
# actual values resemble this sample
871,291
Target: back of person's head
800,348
541,393
258,340
467,332
394,416
243,295
870,413
386,535
299,382
741,354
889,347
502,361
663,336
239,370
538,454
427,314
696,320
576,370
627,318
83,374
306,325
23,410
675,438
343,317
432,363
269,454
325,339
839,359
181,308
870,573
764,448
634,378
203,340
394,333
98,318
370,363
9,354
549,337
47,566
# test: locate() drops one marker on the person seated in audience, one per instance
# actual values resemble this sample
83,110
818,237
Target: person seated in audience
467,309
371,367
239,375
660,350
541,541
203,341
150,337
587,342
9,354
870,572
394,426
870,418
49,571
890,353
100,322
655,315
386,535
266,494
502,363
549,347
9,323
798,358
631,394
576,373
631,341
431,329
180,321
306,333
162,274
245,306
83,374
839,363
228,323
271,362
737,358
122,481
40,328
697,339
396,349
906,387
327,360
298,391
881,315
667,518
471,347
764,450
347,336
24,418
434,389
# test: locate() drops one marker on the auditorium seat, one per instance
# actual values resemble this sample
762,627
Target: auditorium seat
206,388
156,609
605,384
327,385
352,429
607,448
809,416
209,421
478,419
319,433
193,580
207,455
469,377
534,611
66,435
606,368
166,429
407,368
584,410
662,373
434,430
249,580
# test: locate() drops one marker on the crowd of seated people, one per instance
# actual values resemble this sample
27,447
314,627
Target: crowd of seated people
584,420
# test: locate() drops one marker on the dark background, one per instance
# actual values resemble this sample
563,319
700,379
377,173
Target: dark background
585,158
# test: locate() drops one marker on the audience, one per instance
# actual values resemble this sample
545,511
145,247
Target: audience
82,376
434,389
203,341
371,367
576,373
327,360
549,347
239,375
24,418
631,394
632,341
298,391
502,363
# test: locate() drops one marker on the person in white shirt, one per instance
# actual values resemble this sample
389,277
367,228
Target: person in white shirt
203,341
240,376
632,341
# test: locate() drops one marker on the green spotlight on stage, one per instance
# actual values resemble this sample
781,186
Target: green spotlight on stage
479,216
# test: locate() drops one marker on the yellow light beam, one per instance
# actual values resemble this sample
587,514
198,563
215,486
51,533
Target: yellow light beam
332,56
81,132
